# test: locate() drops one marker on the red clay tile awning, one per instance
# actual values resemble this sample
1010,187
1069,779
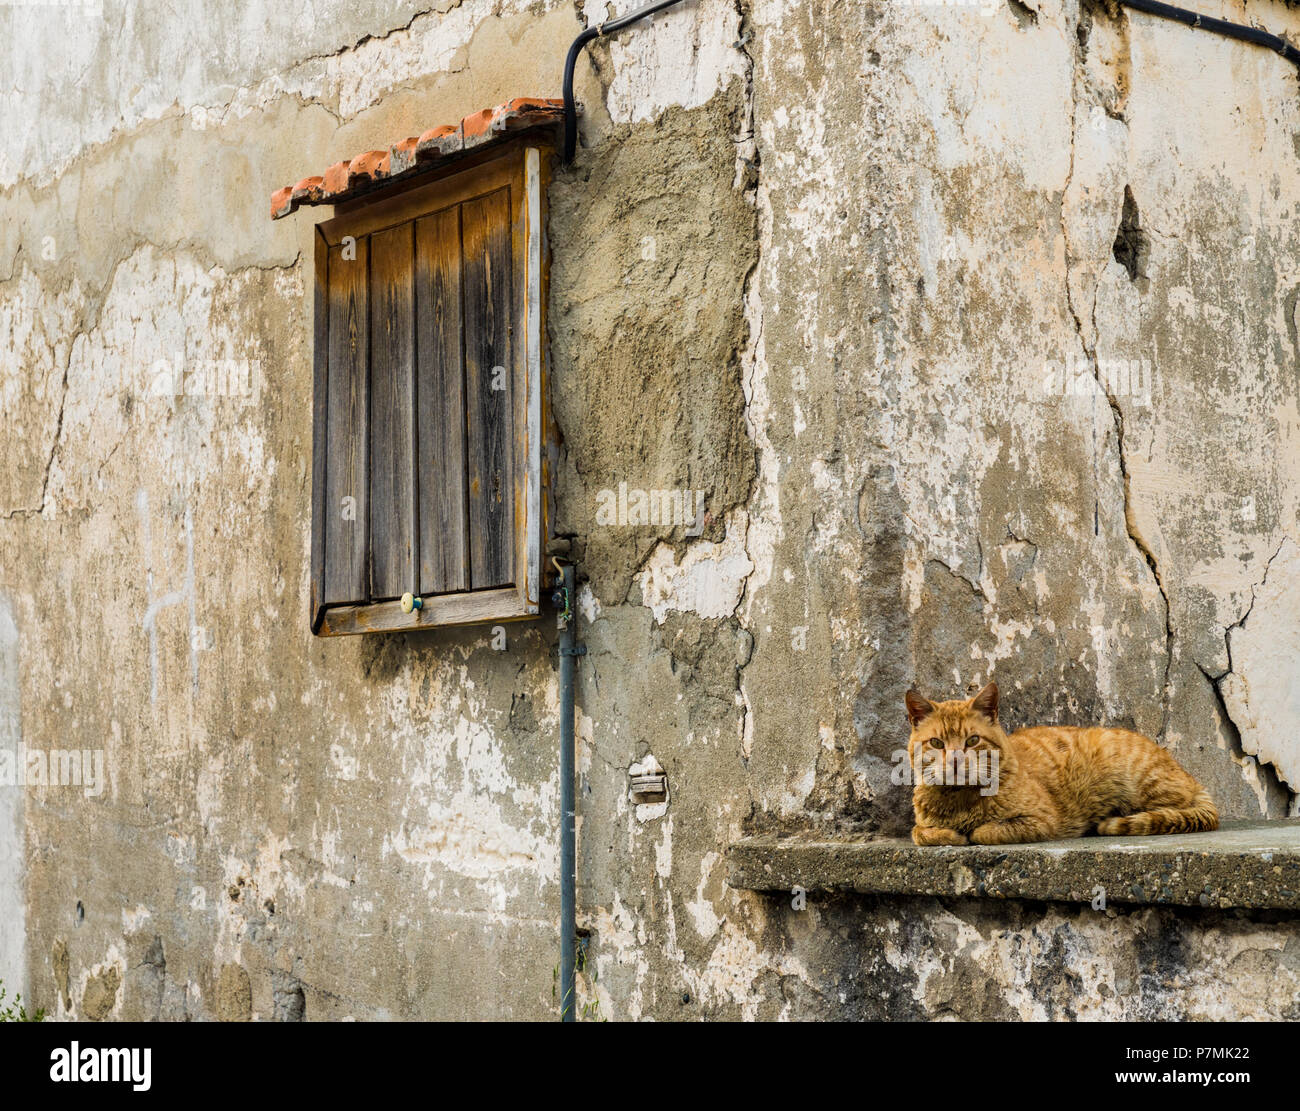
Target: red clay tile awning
418,154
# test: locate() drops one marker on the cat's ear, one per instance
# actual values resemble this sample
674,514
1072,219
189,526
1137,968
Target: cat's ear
986,702
918,707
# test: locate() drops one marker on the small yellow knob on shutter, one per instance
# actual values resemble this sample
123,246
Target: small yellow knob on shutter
411,602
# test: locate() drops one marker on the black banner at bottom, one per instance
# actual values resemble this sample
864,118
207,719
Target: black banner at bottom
338,1060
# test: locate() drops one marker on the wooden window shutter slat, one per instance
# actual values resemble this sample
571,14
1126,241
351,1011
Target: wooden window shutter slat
489,380
319,438
392,431
344,513
440,390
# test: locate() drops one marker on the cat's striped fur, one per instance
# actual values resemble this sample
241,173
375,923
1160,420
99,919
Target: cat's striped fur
1052,781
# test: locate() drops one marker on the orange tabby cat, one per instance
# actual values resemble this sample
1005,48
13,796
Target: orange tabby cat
1046,782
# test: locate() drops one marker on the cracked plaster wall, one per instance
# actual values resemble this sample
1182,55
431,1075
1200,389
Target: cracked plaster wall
851,270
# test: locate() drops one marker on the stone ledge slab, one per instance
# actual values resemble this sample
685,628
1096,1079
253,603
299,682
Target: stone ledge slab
1253,865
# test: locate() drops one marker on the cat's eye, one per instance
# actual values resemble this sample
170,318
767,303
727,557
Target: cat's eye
936,742
971,742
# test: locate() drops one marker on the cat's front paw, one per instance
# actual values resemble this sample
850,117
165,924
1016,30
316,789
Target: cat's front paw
933,835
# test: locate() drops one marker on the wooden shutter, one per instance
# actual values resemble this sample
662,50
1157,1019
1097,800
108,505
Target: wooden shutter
427,446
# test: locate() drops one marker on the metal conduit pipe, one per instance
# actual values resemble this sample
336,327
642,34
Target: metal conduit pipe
570,650
609,27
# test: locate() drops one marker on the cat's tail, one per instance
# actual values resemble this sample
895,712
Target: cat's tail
1199,816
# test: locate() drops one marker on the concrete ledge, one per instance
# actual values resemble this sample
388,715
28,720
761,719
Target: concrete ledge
1254,865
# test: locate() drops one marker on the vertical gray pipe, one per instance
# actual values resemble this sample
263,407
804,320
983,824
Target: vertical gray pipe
568,871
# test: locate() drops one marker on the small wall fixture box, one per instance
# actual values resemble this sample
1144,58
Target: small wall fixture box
649,781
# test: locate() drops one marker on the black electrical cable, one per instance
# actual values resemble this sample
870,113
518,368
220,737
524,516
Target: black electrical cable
1217,26
609,27
1188,18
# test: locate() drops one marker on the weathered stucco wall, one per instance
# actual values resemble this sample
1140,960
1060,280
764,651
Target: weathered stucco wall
977,328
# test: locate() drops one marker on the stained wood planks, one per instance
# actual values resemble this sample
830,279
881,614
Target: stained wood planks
440,390
392,435
346,428
486,242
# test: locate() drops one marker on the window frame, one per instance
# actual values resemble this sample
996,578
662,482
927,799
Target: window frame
523,165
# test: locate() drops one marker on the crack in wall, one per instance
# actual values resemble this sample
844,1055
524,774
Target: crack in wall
1229,726
37,183
277,82
974,587
380,36
94,296
34,511
1130,525
1077,61
1263,768
122,130
94,311
1241,621
749,176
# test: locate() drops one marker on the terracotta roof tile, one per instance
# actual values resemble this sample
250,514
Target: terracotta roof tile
478,123
438,143
309,190
367,167
335,180
401,156
281,203
435,147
